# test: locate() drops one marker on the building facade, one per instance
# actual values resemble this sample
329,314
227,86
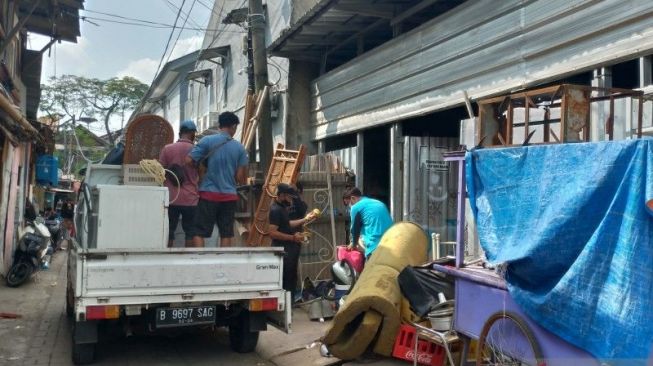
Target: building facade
22,138
388,79
222,75
169,92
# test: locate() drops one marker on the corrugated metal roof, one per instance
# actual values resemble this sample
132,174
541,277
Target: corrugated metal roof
333,26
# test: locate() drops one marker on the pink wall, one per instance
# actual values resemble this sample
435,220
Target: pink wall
11,206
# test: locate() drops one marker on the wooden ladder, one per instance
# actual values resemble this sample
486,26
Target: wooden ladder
284,168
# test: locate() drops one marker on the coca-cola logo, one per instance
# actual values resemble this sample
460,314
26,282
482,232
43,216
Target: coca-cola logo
422,357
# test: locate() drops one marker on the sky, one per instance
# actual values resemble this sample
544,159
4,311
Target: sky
110,50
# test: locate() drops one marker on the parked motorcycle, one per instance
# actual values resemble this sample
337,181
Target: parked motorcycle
32,253
57,232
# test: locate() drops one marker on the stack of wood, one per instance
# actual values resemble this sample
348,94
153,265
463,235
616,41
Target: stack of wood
253,109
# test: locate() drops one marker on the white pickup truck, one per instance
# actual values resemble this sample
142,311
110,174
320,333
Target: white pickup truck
120,270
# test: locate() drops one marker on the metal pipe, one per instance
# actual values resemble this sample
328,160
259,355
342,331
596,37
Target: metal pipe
360,155
331,213
406,179
460,227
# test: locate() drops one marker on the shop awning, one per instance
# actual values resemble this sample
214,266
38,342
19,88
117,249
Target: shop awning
200,76
332,27
209,54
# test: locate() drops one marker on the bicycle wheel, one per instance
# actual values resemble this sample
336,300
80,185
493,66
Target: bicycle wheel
506,340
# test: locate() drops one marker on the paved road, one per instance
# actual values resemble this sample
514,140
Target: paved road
42,335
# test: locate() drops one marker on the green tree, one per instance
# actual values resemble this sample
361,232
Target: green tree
79,97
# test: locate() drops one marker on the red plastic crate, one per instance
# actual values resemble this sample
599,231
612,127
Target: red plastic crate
428,353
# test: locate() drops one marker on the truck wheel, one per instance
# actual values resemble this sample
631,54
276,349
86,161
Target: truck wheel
241,339
70,307
83,354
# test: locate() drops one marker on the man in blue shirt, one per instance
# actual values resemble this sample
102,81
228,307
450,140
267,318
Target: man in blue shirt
370,219
226,166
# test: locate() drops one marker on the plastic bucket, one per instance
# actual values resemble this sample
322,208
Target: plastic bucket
441,323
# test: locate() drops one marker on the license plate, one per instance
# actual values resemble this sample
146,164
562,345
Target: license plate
184,316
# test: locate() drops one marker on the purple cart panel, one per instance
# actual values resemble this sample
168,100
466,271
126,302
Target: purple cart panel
476,302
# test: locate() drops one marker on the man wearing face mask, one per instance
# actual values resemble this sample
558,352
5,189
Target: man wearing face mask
226,166
283,234
370,219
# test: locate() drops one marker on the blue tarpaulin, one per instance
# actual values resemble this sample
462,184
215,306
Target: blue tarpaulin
570,221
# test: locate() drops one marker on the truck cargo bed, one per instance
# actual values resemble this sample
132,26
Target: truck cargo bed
184,274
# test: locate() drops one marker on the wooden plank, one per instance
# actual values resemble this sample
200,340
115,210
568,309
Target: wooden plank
250,105
255,118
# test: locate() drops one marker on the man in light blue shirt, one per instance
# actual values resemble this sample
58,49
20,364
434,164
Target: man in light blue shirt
370,219
226,166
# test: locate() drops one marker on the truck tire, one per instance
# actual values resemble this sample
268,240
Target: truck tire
241,339
70,307
84,353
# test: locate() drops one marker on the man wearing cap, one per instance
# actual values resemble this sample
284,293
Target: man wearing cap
283,234
226,166
183,198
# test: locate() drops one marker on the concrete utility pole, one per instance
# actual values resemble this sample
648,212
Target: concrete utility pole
257,25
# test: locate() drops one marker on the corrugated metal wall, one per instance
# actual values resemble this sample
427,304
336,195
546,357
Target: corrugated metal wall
430,185
484,47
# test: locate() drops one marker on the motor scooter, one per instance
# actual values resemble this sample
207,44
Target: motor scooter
57,232
33,252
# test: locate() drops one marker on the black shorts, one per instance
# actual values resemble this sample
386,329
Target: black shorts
209,213
187,214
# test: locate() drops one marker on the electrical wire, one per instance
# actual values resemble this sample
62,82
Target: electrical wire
277,64
278,71
154,26
170,37
122,17
210,8
174,8
79,147
181,30
216,36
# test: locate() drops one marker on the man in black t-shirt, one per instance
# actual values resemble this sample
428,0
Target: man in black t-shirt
298,209
282,232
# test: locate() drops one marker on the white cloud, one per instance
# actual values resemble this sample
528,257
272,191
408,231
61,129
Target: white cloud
142,69
65,58
186,46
